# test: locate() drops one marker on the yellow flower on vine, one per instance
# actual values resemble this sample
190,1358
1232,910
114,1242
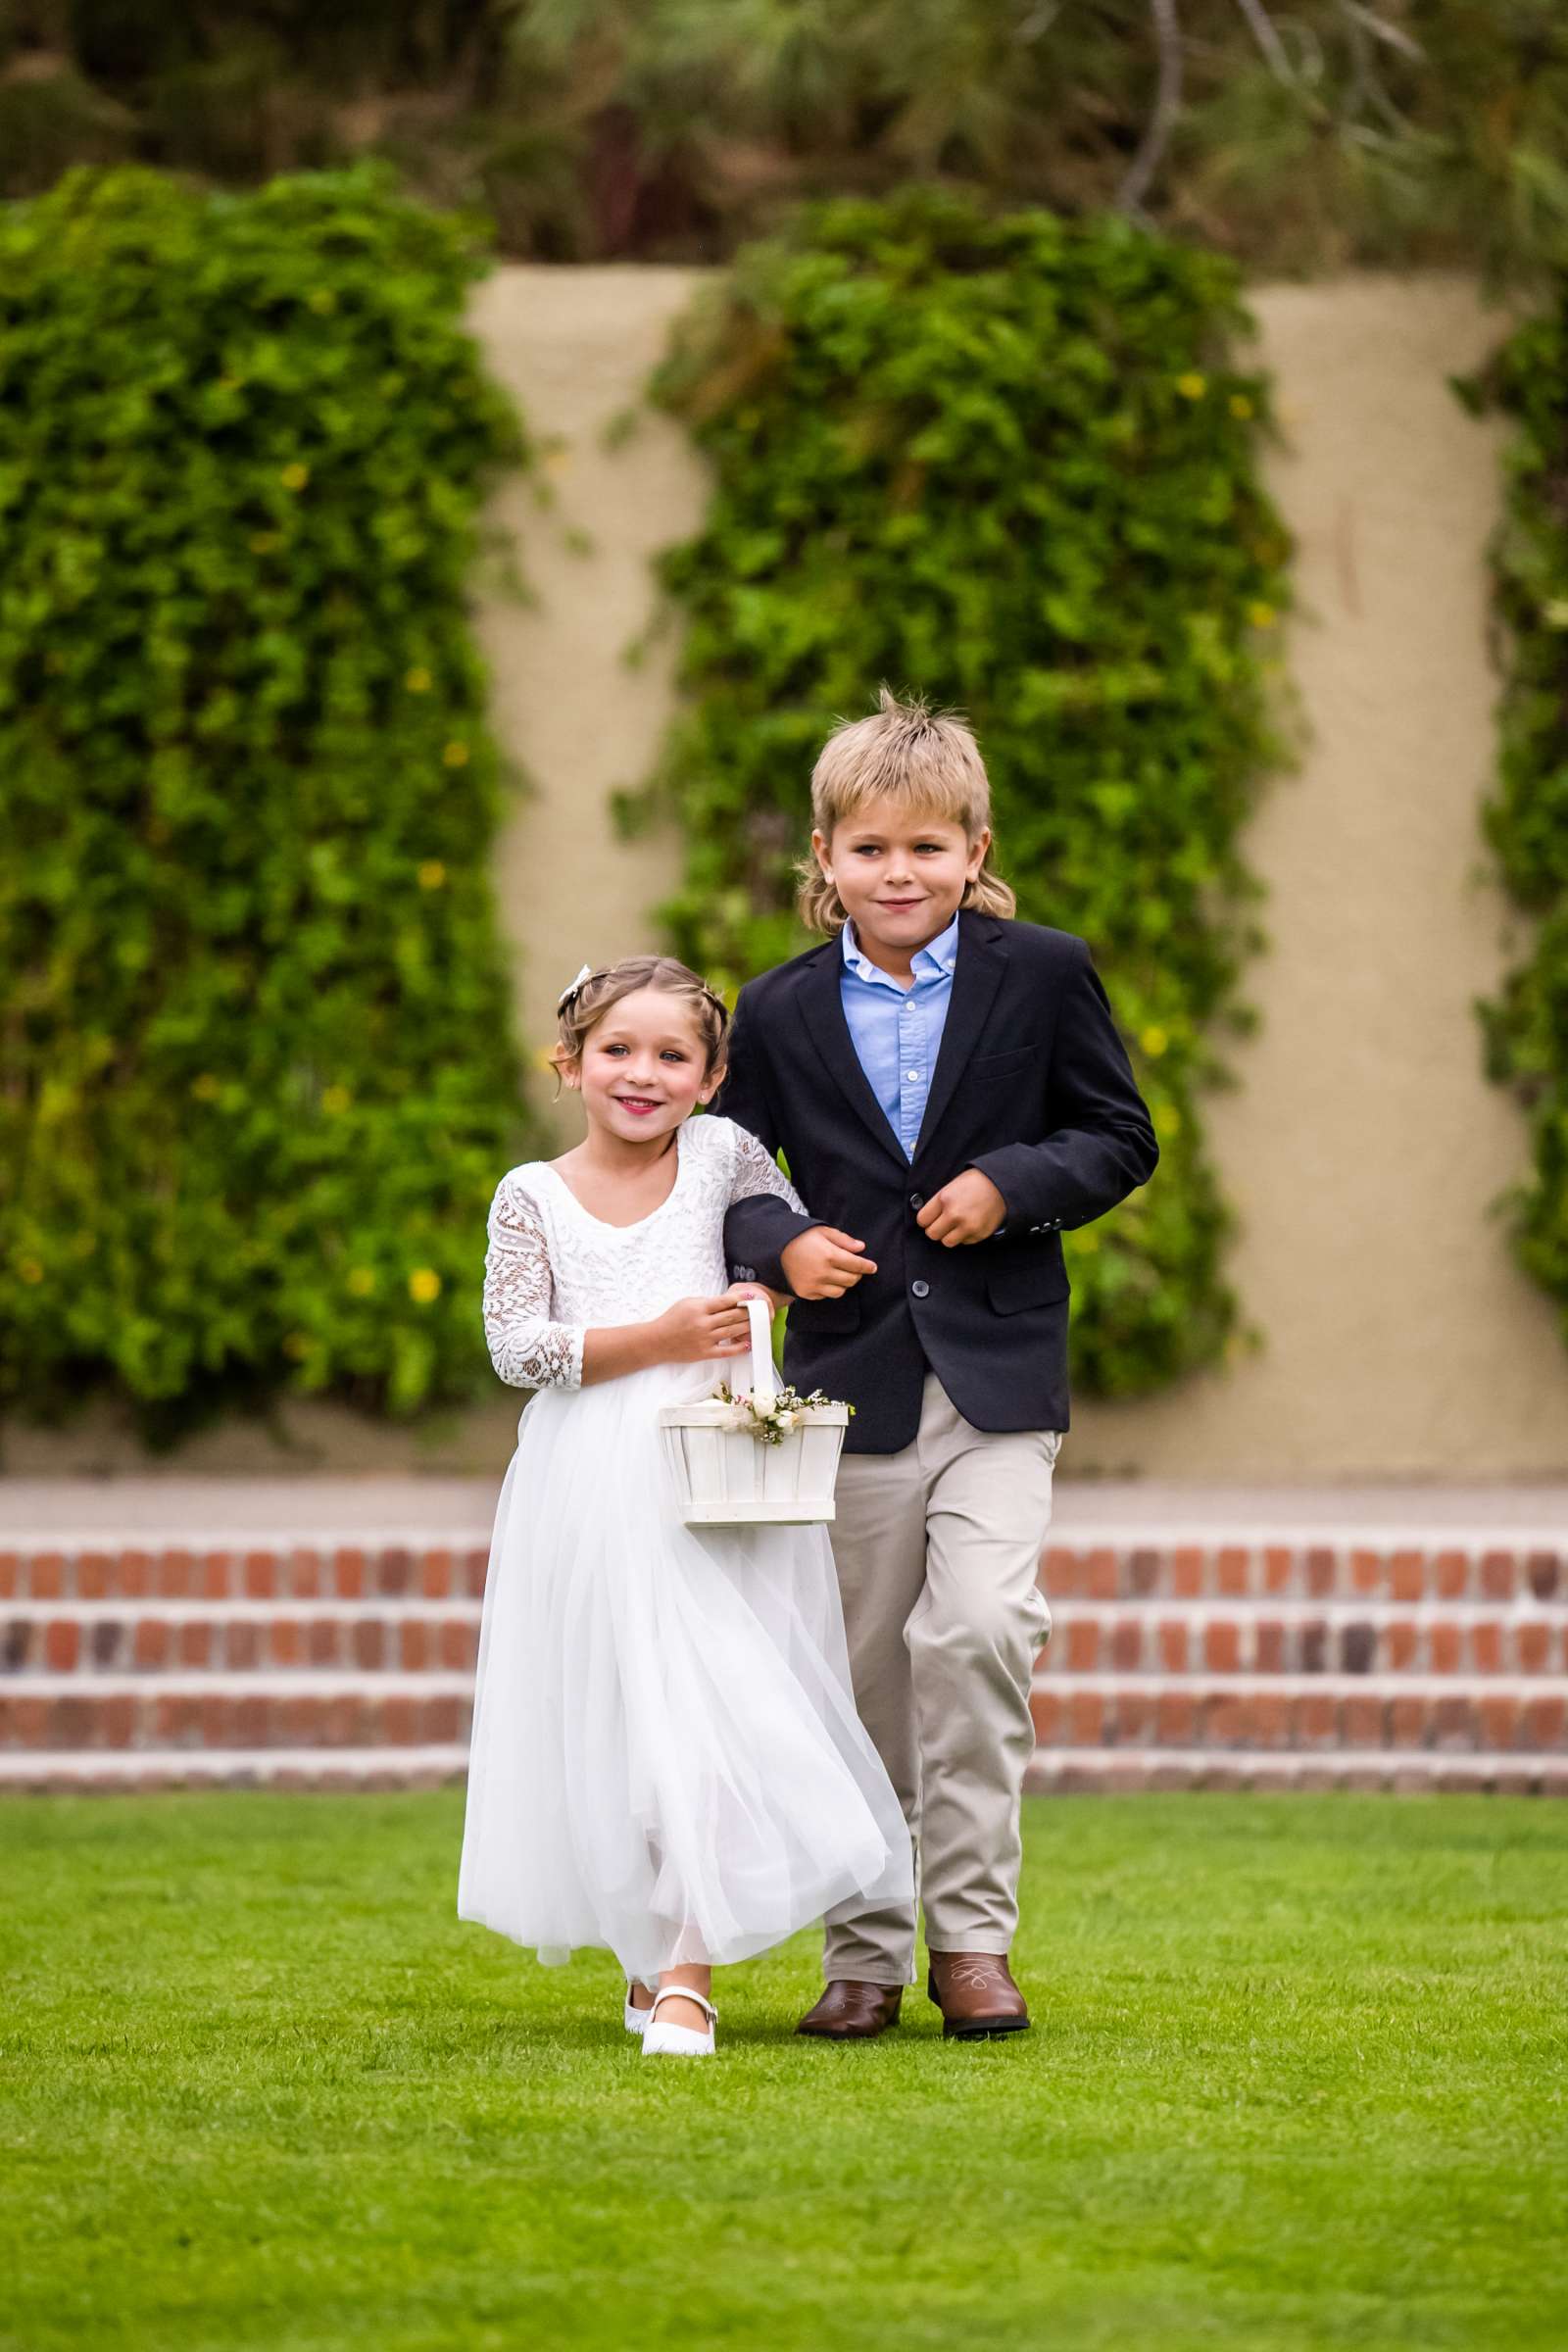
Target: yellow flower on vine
335,1098
1241,405
1192,385
295,476
417,680
424,1285
1260,615
433,874
1154,1041
456,755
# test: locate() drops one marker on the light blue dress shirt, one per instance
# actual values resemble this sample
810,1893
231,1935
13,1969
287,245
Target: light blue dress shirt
897,1032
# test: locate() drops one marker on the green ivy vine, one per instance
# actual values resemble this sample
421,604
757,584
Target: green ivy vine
1013,464
256,1070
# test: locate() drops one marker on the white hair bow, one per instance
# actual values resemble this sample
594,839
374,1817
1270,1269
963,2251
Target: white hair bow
567,994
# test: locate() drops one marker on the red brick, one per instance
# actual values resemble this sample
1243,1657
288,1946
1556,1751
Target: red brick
95,1575
1085,1717
151,1646
435,1574
215,1717
260,1575
1101,1575
475,1569
1498,1717
1366,1572
1171,1636
1131,1718
62,1644
1312,1645
1407,1720
212,1576
322,1640
1402,1642
1450,1576
10,1574
414,1646
136,1574
348,1574
243,1645
1543,1570
1321,1562
1222,1646
1268,1646
1187,1572
176,1719
1533,1645
460,1645
75,1723
1407,1576
195,1643
1542,1721
1452,1723
1142,1573
400,1722
1231,1564
1175,1714
394,1573
369,1639
48,1578
1445,1646
172,1575
1271,1719
287,1642
251,1721
1361,1720
444,1719
1497,1574
1083,1645
1279,1563
1485,1648
302,1575
1227,1720
1045,1706
116,1722
1315,1725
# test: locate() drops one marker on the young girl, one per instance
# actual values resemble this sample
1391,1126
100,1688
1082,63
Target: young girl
665,1758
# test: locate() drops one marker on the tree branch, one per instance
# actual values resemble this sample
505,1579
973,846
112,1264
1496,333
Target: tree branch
1167,106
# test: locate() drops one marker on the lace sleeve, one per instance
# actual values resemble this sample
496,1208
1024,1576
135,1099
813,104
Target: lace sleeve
756,1171
527,1349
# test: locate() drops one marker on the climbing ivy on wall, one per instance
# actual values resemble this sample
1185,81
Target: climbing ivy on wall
256,1077
1011,465
1526,1024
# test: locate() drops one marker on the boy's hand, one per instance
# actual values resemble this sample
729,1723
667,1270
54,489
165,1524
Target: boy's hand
968,1209
825,1263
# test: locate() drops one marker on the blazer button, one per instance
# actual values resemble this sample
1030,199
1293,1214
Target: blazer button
917,1199
921,1290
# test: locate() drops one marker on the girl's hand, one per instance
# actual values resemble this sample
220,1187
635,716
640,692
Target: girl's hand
694,1329
755,1289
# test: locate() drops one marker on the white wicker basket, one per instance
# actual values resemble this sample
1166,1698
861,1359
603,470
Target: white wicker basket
725,1475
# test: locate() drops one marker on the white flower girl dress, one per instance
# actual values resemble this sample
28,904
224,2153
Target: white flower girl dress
665,1758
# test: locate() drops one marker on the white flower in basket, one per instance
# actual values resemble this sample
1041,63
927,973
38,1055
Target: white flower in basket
763,1456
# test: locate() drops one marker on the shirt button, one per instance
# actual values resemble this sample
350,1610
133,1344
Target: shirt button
911,1075
921,1290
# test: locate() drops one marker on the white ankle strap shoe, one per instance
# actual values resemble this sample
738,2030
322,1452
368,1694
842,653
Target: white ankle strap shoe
635,2019
679,2041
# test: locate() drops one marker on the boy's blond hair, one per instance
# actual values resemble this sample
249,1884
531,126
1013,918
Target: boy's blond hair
922,759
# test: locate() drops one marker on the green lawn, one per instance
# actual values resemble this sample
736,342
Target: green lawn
1297,2078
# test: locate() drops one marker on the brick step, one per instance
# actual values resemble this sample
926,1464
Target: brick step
1056,1772
299,1710
1130,1566
1306,1638
1494,1714
288,1570
1135,1568
1287,1636
233,1636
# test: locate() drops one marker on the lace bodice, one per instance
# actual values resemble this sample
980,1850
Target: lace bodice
553,1271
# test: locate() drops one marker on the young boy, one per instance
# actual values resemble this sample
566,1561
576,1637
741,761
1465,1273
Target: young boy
950,1093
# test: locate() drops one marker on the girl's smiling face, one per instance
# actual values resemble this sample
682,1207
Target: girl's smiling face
643,1068
901,875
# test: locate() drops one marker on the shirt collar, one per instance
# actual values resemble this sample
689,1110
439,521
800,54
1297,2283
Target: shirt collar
936,958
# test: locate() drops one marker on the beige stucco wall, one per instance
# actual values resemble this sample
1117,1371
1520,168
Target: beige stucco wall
1363,1145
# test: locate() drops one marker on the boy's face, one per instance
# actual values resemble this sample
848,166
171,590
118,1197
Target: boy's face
901,875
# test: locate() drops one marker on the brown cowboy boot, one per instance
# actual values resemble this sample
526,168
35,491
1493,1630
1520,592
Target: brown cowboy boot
850,2010
976,1996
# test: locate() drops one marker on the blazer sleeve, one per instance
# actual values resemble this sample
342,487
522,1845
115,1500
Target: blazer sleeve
757,1230
1102,1146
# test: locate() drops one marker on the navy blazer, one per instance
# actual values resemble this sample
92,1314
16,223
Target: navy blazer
1032,1085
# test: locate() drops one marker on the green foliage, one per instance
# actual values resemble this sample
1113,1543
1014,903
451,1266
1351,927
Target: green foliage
1307,133
1010,465
1526,1026
256,1080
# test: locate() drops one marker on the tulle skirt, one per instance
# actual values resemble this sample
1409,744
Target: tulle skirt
665,1761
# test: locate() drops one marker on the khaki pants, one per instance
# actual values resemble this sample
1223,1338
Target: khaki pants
937,1549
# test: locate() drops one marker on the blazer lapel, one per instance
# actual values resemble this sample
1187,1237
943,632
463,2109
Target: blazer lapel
976,978
822,1012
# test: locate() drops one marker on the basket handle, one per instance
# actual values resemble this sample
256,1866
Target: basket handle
765,1383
